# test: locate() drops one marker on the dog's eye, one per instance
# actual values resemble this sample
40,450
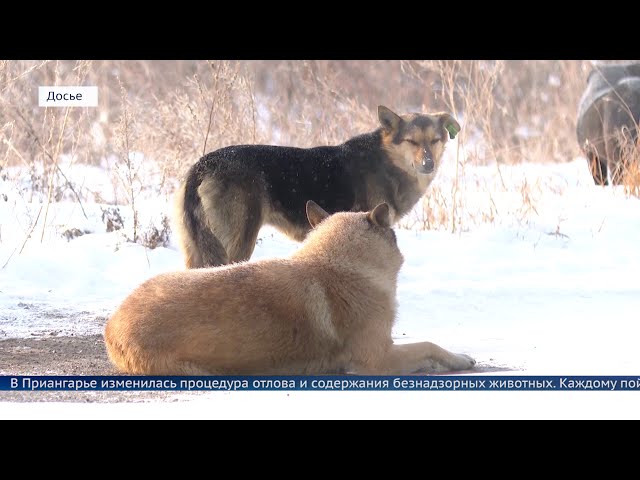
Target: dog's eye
412,142
434,141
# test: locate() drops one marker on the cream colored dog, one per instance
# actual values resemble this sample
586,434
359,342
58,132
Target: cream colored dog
329,308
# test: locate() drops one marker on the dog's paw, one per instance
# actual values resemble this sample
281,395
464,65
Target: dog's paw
462,361
451,363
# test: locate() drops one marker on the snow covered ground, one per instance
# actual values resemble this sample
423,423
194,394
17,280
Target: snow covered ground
550,286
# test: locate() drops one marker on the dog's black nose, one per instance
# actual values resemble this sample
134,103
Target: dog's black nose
427,165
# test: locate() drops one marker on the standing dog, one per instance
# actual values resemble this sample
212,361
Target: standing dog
329,308
231,192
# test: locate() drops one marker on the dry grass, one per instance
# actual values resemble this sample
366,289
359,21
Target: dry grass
631,166
156,118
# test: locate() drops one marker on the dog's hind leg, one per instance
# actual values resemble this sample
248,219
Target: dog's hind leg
234,217
598,169
242,241
169,365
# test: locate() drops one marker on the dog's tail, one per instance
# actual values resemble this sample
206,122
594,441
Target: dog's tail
199,245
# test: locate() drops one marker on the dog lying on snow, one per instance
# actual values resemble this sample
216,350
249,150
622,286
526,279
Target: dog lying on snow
328,308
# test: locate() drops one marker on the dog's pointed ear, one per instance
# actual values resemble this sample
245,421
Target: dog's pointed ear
315,213
380,215
390,121
450,125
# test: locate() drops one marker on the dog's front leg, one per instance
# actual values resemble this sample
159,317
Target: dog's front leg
413,357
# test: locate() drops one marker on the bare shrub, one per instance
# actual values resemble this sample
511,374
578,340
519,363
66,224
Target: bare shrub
71,233
154,237
112,219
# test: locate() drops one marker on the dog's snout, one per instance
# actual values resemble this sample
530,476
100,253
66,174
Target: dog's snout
427,163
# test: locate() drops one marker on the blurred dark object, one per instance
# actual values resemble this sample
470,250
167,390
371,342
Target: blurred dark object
607,124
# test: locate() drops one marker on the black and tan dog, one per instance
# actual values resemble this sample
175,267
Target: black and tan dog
328,308
231,192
